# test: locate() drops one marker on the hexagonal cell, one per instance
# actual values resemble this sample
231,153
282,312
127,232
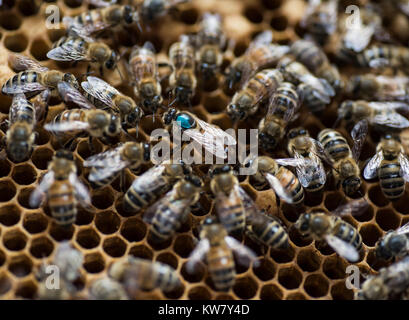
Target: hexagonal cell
14,240
20,265
195,276
2,257
115,247
141,251
35,222
265,270
189,16
376,196
24,196
340,292
26,290
9,215
290,277
271,292
272,4
7,190
183,245
279,23
175,293
245,288
24,174
39,49
296,296
298,239
366,215
370,234
83,148
387,219
5,284
169,259
282,255
308,260
107,222
84,217
316,285
41,157
5,167
133,230
94,262
16,42
102,198
334,267
199,293
60,233
10,21
41,247
253,14
88,238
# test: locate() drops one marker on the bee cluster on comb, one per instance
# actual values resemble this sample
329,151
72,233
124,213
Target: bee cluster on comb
85,86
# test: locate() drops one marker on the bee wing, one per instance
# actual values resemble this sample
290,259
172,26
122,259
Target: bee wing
66,126
307,171
38,193
217,132
81,190
240,249
262,38
197,255
379,63
404,229
293,162
67,52
358,39
343,248
18,104
21,62
249,205
389,105
354,208
84,31
372,166
278,188
99,89
318,84
69,93
358,134
211,143
404,166
149,46
391,119
319,150
23,87
150,180
101,3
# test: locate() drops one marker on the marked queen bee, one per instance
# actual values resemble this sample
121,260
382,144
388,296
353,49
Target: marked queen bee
62,188
394,244
340,235
216,245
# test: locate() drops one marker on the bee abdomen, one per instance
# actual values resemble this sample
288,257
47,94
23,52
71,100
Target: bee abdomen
349,234
232,218
272,234
103,182
164,225
221,268
290,183
391,180
335,144
62,202
135,201
21,78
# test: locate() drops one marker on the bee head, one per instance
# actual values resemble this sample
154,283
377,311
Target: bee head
114,127
345,110
208,70
190,186
64,154
129,15
303,224
351,185
70,78
153,103
219,169
169,116
134,116
112,60
183,94
296,132
235,112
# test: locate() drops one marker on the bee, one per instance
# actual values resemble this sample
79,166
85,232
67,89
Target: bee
383,114
394,244
182,81
153,9
144,69
212,138
388,284
153,183
339,234
311,175
314,58
381,56
20,135
34,78
216,245
344,161
283,105
378,87
74,48
316,92
63,189
88,23
321,18
272,171
167,214
403,6
106,166
136,273
391,165
211,40
259,88
103,95
260,54
106,288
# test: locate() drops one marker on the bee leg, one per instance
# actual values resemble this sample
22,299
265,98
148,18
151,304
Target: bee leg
91,145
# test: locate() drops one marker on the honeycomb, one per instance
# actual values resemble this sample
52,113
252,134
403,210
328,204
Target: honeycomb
28,237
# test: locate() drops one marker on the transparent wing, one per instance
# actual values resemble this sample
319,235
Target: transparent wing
67,52
379,63
249,205
262,38
151,180
240,249
157,206
278,188
70,94
23,87
358,134
81,190
388,105
404,229
84,30
353,208
38,193
293,162
197,255
17,105
216,132
21,62
343,248
308,171
372,166
101,3
321,85
99,89
391,119
214,146
404,166
66,126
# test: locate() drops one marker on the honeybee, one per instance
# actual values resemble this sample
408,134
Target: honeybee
377,87
182,81
74,48
344,161
260,54
377,113
93,21
394,244
315,59
35,78
63,189
103,95
285,184
403,6
212,139
316,92
142,62
107,288
167,214
210,40
381,56
259,88
391,165
216,245
108,165
311,175
20,135
153,9
390,283
283,105
153,183
321,18
136,273
339,234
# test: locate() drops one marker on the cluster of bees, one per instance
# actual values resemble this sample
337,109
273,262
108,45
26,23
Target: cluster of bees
283,77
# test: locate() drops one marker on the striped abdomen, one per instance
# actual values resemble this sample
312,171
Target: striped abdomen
348,233
103,182
285,100
264,82
151,276
309,54
75,42
22,78
25,113
335,145
231,214
262,56
182,56
291,183
270,232
62,202
98,103
143,64
135,200
221,266
68,116
390,179
89,18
